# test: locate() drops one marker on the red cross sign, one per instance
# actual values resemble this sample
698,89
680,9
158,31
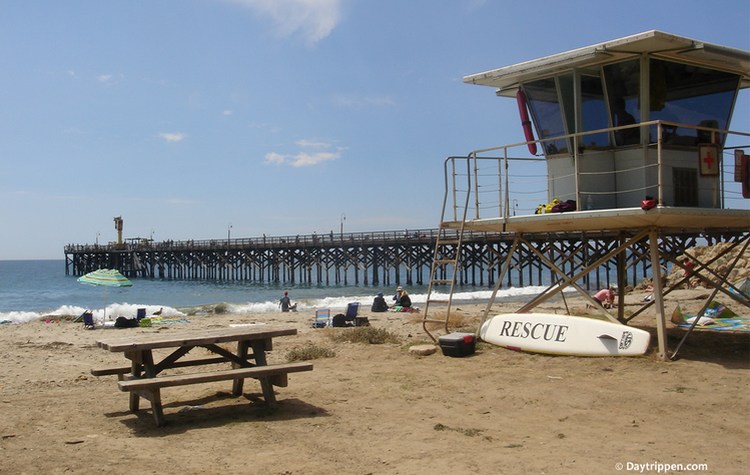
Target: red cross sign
709,159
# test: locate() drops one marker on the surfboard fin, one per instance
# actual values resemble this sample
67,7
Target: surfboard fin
607,337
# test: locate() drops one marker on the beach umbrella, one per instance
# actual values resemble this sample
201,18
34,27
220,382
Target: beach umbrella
105,278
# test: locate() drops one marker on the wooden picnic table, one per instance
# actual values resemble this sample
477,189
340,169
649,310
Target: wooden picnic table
144,377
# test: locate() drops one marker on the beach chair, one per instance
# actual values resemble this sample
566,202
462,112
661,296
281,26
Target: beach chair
352,309
352,315
322,318
88,320
350,318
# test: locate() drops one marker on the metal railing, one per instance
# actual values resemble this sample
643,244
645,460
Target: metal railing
369,238
506,180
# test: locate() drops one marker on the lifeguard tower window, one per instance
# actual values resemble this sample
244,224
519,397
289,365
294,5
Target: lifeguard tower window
544,103
690,95
593,112
624,100
612,97
685,186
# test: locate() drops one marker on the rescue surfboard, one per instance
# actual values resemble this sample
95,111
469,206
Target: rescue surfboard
563,335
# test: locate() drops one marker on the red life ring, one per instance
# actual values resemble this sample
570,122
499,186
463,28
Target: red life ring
528,132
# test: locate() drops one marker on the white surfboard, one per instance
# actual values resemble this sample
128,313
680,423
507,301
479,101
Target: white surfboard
563,335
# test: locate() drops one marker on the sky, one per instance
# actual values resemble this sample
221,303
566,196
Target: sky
199,119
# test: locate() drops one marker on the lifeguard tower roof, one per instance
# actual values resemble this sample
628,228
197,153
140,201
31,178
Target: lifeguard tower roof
657,43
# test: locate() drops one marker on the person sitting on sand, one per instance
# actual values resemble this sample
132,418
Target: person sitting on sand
402,298
379,304
605,297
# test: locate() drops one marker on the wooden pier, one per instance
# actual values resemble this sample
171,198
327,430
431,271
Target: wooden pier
366,258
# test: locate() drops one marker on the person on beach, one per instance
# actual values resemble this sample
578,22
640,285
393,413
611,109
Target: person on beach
286,304
605,297
688,273
379,304
402,298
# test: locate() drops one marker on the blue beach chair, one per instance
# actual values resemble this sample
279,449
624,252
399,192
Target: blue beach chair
88,320
352,315
348,319
352,310
322,318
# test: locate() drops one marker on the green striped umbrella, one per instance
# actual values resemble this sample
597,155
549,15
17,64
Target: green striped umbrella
105,278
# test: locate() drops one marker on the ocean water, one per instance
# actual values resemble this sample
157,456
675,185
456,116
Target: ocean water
35,289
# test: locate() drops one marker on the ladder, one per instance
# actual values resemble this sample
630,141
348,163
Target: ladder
447,256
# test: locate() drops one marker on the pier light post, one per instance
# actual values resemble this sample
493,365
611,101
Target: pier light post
343,218
229,232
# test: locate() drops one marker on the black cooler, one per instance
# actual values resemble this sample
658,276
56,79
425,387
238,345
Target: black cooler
458,344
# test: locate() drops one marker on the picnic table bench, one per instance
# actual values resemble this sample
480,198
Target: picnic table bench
144,378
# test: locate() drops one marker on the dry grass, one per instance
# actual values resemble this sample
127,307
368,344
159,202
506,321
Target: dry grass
309,352
369,335
457,321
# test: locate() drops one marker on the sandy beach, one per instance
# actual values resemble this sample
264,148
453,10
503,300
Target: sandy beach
378,409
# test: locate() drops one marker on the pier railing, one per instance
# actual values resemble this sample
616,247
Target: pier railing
365,238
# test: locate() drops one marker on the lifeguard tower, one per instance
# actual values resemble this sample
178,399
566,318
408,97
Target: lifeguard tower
633,135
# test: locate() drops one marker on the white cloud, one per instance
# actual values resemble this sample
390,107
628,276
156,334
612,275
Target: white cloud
173,136
109,79
305,158
305,143
226,112
313,19
273,157
352,101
